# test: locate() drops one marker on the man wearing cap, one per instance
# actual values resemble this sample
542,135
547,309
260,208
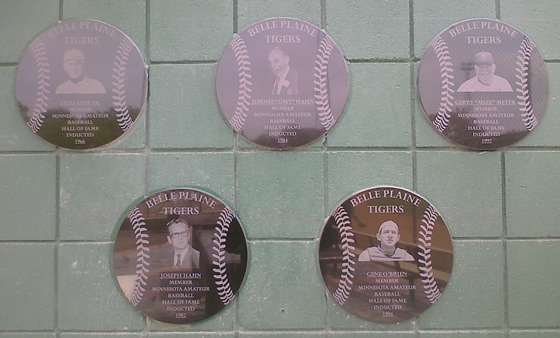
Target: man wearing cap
485,79
74,61
184,255
388,235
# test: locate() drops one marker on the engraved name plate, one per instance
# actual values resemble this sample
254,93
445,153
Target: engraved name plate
81,84
385,254
282,83
482,84
180,255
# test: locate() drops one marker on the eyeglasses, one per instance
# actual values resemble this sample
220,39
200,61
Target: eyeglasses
179,234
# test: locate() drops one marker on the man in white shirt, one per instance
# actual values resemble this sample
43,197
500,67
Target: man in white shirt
79,83
485,79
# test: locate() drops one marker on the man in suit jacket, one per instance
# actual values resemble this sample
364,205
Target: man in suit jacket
286,82
180,237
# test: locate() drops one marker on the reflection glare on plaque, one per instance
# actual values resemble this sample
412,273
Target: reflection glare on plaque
482,84
385,254
282,83
81,84
180,255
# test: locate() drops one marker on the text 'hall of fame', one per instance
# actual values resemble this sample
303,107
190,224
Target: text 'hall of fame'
385,254
482,84
81,84
180,255
282,83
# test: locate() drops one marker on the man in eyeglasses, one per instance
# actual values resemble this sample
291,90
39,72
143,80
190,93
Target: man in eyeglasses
485,79
180,236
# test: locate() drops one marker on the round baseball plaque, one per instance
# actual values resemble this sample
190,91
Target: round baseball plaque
180,255
482,84
81,84
282,83
385,254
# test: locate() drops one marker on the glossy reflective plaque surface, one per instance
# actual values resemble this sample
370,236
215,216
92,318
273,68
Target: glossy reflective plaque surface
482,84
180,255
385,254
81,84
282,83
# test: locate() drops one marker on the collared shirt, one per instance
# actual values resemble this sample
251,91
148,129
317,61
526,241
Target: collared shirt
85,86
375,254
499,84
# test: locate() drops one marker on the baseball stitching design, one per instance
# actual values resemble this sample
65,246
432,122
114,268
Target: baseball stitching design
522,76
347,239
220,274
244,67
431,289
140,232
321,83
119,72
446,69
40,55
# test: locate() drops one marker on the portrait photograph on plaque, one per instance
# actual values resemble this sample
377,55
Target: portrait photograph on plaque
180,255
282,83
81,84
482,84
385,254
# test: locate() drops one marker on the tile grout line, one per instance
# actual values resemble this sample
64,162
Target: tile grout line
323,5
57,218
147,151
504,220
235,153
504,243
60,10
147,145
57,242
413,150
327,327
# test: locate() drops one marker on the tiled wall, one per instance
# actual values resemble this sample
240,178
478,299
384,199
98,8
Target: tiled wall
59,209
